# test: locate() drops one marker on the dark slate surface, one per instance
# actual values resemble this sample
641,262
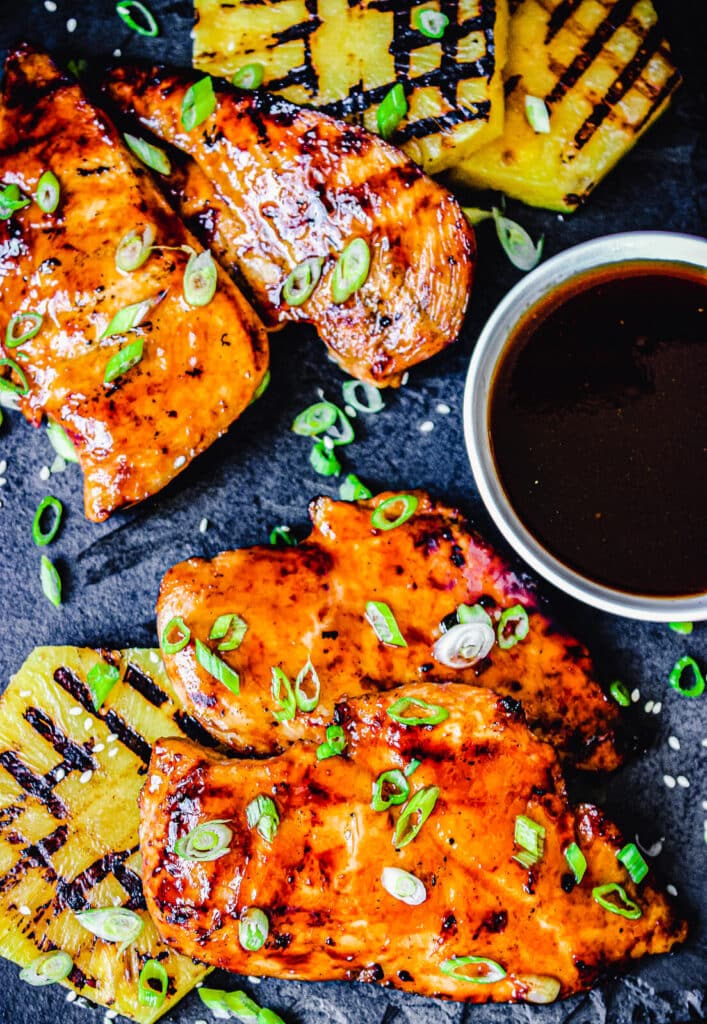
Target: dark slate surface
259,476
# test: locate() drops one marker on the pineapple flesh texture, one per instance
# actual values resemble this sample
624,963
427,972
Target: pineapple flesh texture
345,57
605,72
69,784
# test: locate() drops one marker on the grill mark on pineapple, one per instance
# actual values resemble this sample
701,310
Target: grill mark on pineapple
36,855
305,74
145,686
76,758
562,13
659,99
73,895
591,49
131,739
36,785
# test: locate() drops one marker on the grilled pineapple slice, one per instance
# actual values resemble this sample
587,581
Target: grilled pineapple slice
344,57
605,72
69,783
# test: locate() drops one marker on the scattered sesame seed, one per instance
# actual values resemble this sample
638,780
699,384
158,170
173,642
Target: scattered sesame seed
98,748
111,737
87,724
111,1014
203,525
683,781
328,443
86,777
112,752
117,53
154,658
199,1021
24,909
75,711
669,781
179,461
71,25
673,742
657,708
671,889
426,427
704,742
3,481
648,707
58,465
50,6
71,997
44,473
651,851
636,695
59,774
350,411
443,409
404,379
253,980
25,693
3,465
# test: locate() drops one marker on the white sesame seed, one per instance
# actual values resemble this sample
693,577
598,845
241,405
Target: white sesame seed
112,752
75,711
58,465
426,427
200,1021
704,742
636,695
71,25
154,657
671,889
50,6
111,737
404,379
44,473
657,708
24,909
203,525
3,465
3,481
86,777
350,411
98,748
683,781
25,693
648,707
669,781
71,997
329,443
179,461
253,980
111,1014
673,742
87,724
59,774
443,409
118,53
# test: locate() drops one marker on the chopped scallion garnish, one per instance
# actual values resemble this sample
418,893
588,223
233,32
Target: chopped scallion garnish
200,279
631,858
513,626
14,340
351,270
101,679
250,76
262,387
152,156
537,114
465,644
43,537
48,192
217,668
323,460
224,1004
199,103
11,200
134,248
130,317
282,535
307,688
123,360
9,385
60,442
301,282
208,841
684,628
124,8
261,814
403,886
374,401
433,713
316,419
682,666
623,906
530,836
184,636
414,815
152,984
334,745
353,490
391,111
283,695
619,691
230,630
47,969
485,971
112,924
577,861
473,613
380,520
429,22
384,625
253,929
517,243
389,789
411,768
51,581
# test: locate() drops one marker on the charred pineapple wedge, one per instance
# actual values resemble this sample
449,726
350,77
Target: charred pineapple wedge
345,58
69,783
605,72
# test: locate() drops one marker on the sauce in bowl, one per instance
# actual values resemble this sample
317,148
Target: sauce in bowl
598,426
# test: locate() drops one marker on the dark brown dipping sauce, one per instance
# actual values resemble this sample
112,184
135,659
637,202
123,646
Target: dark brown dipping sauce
598,424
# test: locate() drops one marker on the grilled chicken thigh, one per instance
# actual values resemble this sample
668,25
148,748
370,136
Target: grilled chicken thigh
200,366
309,604
311,870
271,185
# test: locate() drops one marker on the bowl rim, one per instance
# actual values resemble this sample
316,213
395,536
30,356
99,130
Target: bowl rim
634,246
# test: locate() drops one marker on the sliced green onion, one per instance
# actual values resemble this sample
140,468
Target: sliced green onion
619,691
77,66
384,625
374,401
13,340
123,9
287,704
48,192
380,519
517,243
353,490
476,216
334,745
434,713
430,23
577,862
7,385
403,886
100,680
323,460
200,279
390,789
199,103
679,669
60,442
175,646
51,581
42,538
134,248
513,626
316,419
253,929
217,668
112,924
473,613
230,630
464,644
539,988
414,815
530,836
268,1016
11,200
411,768
47,969
351,270
123,360
624,908
537,114
130,317
684,628
485,972
152,974
208,841
250,76
282,535
391,111
307,701
302,281
634,863
152,156
262,387
261,814
224,1004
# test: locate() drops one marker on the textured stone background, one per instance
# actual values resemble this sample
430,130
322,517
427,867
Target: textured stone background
259,476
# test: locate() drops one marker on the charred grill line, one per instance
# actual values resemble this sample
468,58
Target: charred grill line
75,757
72,895
36,855
668,88
562,14
145,686
35,785
306,74
126,735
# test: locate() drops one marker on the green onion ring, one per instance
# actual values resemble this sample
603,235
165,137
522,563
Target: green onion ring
134,248
493,971
42,538
353,490
147,994
403,886
430,23
123,360
323,460
51,581
301,282
389,789
315,420
11,200
253,929
60,442
47,969
351,270
414,815
250,76
261,814
437,713
675,678
473,613
101,679
619,691
517,243
282,535
200,279
634,863
198,104
305,702
7,385
287,703
217,668
379,518
13,340
123,8
391,111
334,745
384,624
208,841
374,401
629,909
577,861
112,924
230,630
174,647
516,615
48,192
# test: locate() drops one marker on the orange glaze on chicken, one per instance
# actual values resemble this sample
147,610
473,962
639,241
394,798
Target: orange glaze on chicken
271,184
200,366
308,602
318,880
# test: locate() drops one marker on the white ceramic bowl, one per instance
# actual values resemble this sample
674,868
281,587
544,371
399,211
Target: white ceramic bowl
635,246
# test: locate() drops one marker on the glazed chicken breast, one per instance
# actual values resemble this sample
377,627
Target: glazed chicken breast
326,611
272,187
138,402
431,857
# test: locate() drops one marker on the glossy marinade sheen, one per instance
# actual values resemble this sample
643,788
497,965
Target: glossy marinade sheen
309,602
598,422
200,366
319,881
270,184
